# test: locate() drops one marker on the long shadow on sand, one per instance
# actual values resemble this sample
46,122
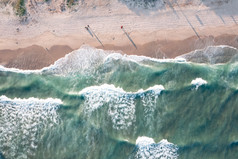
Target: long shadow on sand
220,7
223,8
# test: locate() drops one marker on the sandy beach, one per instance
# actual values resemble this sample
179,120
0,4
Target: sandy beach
172,29
118,79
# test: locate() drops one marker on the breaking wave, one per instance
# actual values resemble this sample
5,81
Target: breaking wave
88,60
121,104
22,122
146,148
198,82
135,96
212,55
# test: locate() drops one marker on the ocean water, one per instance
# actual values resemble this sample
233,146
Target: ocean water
95,104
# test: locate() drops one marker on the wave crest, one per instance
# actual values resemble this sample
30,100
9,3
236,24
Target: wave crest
121,104
212,55
87,60
147,148
198,82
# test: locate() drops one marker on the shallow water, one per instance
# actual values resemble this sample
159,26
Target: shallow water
113,106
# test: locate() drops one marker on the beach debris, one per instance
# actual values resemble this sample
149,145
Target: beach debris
91,32
128,37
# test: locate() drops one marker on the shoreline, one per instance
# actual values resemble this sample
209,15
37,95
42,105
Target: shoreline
167,32
38,57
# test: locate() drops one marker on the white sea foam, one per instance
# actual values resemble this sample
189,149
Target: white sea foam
121,104
148,149
5,69
22,122
144,141
212,55
110,87
31,99
139,59
86,60
121,108
198,82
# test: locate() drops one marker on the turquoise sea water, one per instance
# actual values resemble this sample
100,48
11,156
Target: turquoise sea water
94,104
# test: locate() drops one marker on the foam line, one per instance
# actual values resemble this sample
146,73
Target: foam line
87,59
111,88
30,100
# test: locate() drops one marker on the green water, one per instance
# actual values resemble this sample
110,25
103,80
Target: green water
97,107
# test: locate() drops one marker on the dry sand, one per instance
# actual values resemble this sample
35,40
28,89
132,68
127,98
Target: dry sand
162,33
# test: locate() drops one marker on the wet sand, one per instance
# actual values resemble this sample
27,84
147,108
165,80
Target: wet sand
37,57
